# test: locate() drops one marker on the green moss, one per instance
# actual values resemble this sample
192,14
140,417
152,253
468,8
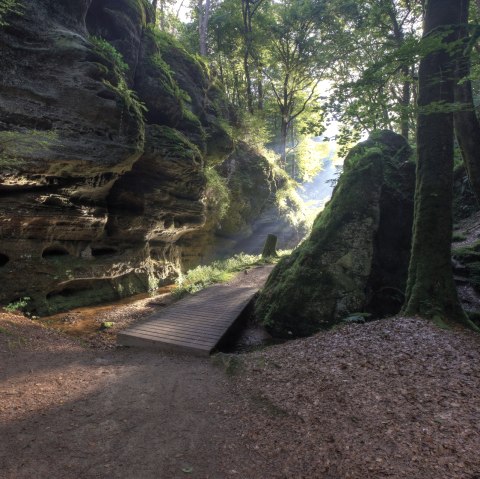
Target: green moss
178,143
167,78
128,98
303,293
110,54
217,193
118,83
15,146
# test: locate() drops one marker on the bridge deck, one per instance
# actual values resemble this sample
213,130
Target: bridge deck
196,324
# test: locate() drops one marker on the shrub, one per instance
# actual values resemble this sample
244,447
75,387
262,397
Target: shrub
18,305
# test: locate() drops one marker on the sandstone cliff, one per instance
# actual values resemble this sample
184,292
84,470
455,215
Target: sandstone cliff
102,151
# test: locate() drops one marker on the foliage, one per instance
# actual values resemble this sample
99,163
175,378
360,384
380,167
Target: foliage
219,271
18,305
217,193
119,69
110,54
374,76
128,96
8,7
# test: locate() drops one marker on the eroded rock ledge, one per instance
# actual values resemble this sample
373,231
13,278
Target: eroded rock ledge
96,190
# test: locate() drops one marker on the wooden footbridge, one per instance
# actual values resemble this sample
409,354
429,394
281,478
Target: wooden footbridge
198,323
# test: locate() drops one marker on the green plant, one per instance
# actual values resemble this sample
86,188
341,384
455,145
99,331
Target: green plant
109,53
119,68
217,192
7,7
219,271
129,97
18,305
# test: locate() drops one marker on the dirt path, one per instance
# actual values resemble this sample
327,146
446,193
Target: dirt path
397,398
70,412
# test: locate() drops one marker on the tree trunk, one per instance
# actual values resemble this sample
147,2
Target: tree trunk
270,248
247,40
203,18
283,142
260,90
248,80
467,126
405,104
162,15
155,5
406,88
431,290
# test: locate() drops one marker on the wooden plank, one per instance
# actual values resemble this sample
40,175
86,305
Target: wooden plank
202,337
195,324
211,330
154,337
149,343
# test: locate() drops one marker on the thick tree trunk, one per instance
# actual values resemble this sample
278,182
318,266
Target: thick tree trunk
467,126
431,290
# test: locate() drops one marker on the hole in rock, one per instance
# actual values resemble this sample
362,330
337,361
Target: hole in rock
54,251
4,259
100,21
65,293
103,251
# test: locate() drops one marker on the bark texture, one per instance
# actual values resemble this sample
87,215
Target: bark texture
431,290
467,126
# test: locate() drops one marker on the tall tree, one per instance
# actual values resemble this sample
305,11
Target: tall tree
467,126
249,8
431,290
203,20
375,67
296,64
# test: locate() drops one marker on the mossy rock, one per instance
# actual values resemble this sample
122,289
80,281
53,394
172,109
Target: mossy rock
338,269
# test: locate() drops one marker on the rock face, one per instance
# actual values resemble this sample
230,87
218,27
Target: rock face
102,159
356,257
253,212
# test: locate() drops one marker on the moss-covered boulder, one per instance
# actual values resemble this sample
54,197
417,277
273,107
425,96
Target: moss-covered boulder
356,257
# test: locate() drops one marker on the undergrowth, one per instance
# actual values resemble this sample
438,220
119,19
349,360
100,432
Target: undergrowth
218,272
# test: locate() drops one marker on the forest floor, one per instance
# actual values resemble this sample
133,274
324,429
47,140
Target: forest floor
396,398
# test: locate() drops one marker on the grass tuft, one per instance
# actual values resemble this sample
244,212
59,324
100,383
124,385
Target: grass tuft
218,272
